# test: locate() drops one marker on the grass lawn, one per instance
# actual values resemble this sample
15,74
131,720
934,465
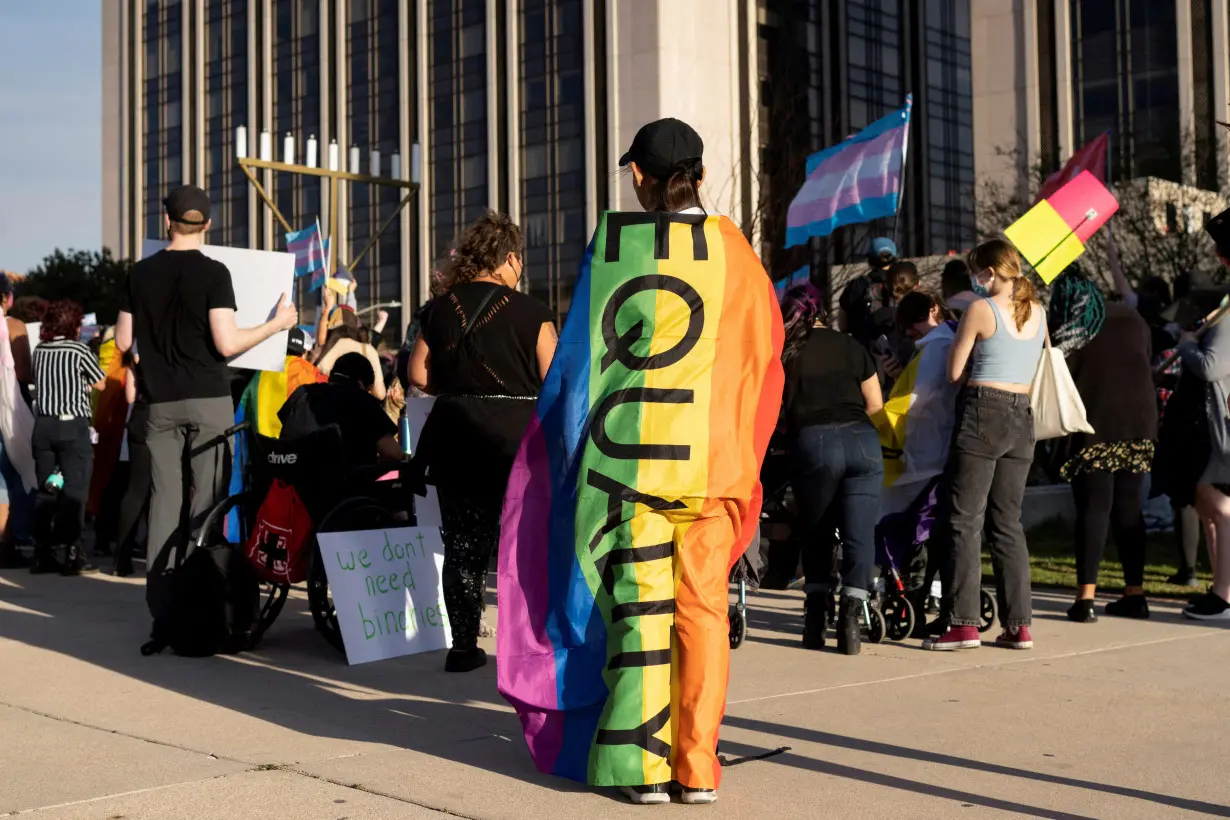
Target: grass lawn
1052,562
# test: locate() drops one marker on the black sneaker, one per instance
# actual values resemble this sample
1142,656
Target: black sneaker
1208,607
652,795
1184,578
464,660
1083,612
849,626
77,563
815,619
1129,606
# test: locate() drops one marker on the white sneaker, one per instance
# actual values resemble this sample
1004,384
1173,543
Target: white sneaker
697,797
652,795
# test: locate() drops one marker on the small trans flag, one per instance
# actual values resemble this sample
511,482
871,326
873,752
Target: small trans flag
311,252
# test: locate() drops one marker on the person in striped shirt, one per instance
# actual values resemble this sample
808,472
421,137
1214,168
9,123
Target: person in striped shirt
65,371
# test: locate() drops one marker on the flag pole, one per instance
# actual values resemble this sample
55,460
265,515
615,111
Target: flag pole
905,146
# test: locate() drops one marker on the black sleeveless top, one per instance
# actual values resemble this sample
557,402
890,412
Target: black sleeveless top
485,383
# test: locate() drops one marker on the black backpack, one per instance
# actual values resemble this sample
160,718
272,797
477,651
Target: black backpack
214,608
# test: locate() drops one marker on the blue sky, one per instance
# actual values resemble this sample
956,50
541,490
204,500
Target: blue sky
50,128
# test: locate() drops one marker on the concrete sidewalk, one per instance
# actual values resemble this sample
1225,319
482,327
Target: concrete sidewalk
1116,719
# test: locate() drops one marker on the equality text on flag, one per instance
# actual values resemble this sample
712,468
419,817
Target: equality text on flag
857,180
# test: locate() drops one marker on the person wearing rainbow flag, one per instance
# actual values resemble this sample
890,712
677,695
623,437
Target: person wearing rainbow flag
637,487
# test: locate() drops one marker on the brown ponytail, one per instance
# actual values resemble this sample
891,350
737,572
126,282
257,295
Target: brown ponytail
680,191
999,257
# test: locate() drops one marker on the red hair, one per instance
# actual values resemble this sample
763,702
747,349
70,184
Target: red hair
63,318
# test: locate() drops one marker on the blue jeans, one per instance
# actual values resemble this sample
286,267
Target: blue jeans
838,472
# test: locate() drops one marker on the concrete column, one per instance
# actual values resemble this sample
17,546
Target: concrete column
266,119
198,97
493,108
187,114
1032,101
253,124
136,92
1187,95
343,129
612,101
591,129
424,200
1221,91
1064,80
405,103
512,71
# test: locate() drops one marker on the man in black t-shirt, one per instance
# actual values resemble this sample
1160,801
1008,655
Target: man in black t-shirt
369,436
178,310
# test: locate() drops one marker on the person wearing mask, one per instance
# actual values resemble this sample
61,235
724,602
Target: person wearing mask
1000,338
832,390
484,351
178,309
65,371
1108,350
956,286
368,436
675,356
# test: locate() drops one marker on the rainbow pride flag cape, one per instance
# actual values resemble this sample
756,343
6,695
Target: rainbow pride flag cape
656,412
268,391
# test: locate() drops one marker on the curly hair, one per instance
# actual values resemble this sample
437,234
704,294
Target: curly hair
62,319
480,249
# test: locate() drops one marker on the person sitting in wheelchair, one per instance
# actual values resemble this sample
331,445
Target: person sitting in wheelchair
369,436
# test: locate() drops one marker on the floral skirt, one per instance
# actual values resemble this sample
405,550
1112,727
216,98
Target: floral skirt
1110,457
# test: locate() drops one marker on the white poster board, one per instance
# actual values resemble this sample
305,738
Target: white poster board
33,329
418,408
259,278
388,589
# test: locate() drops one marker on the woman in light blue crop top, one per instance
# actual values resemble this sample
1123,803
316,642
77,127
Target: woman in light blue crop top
1000,337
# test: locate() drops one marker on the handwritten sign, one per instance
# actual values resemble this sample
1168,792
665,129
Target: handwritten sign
387,587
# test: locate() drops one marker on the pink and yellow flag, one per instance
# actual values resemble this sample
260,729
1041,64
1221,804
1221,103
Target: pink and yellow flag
1053,233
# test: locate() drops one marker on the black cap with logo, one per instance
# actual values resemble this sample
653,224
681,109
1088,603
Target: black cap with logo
663,147
185,199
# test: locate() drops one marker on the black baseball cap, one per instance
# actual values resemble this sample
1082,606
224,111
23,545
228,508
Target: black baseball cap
1219,229
6,284
662,147
297,342
184,199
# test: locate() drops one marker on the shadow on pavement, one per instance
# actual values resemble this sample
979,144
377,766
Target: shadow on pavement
904,752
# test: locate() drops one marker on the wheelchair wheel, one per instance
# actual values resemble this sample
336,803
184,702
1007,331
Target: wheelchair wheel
987,610
738,626
898,617
351,514
876,629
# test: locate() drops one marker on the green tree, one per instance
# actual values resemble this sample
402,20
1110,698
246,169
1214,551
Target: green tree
91,279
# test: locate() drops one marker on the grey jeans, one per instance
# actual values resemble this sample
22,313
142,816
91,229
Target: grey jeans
184,487
992,450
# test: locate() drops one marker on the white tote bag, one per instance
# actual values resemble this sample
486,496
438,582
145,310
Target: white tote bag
1058,409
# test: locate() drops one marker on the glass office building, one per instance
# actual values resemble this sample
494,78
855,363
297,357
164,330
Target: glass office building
828,70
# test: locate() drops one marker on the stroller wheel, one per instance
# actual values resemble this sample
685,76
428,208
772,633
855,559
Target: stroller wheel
987,610
898,618
876,629
738,626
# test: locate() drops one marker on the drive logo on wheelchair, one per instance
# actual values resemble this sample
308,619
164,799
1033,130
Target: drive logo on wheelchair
277,547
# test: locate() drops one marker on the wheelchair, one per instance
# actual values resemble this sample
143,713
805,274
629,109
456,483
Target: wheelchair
369,497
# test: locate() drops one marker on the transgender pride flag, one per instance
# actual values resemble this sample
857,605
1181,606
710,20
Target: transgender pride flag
857,180
311,253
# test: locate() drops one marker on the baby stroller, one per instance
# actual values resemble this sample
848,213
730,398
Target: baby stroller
901,543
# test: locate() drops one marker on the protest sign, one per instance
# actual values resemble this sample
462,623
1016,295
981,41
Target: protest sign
387,588
258,278
418,408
